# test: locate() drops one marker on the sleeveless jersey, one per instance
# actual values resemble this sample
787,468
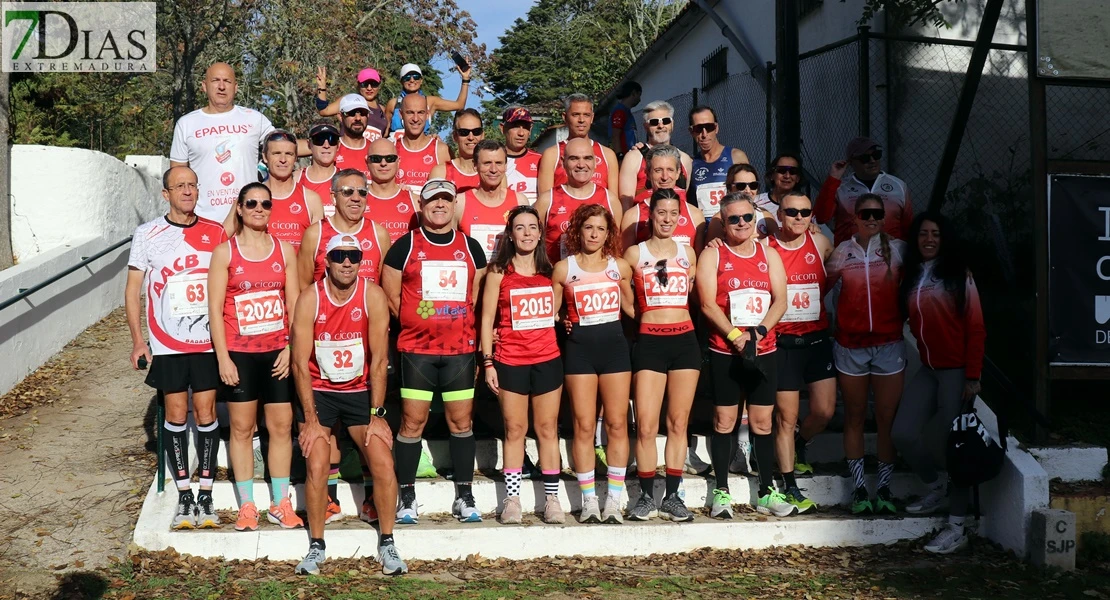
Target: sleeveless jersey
867,311
521,173
651,294
375,124
437,315
601,169
592,298
525,320
340,351
397,213
744,293
347,157
707,185
685,233
290,217
805,288
175,261
416,165
397,124
255,315
563,206
764,202
368,241
642,180
463,182
322,189
486,224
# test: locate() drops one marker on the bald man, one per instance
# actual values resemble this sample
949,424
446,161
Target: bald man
555,206
419,152
220,143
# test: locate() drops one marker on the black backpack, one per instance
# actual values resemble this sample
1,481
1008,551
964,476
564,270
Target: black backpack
973,456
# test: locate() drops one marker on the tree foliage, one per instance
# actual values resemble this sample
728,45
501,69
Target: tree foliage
907,13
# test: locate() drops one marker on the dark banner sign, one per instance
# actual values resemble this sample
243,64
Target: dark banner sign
1079,270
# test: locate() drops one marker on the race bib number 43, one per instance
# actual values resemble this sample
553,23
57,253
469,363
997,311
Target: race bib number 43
444,280
340,360
187,295
747,307
532,308
597,303
803,303
260,312
709,198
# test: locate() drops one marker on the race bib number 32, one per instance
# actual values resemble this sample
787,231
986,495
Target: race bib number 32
444,280
532,308
747,307
597,303
340,360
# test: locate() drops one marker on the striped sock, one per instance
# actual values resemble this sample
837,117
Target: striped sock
616,483
333,482
551,482
279,488
586,483
856,466
885,471
512,482
674,480
246,491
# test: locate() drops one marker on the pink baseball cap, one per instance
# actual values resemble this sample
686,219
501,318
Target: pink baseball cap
369,74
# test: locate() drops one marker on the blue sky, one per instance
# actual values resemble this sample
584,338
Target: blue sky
493,18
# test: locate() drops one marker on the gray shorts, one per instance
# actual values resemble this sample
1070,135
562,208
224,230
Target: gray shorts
888,359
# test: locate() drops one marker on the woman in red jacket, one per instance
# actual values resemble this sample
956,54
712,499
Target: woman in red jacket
941,299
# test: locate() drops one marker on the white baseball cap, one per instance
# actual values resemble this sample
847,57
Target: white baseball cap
342,240
410,68
353,102
435,187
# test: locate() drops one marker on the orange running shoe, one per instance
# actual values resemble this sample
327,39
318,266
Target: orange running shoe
248,517
333,513
369,512
283,516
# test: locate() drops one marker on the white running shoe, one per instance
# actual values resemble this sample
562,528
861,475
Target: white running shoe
612,513
740,461
949,540
591,513
928,505
695,465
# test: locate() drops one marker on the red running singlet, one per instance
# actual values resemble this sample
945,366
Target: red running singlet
339,355
255,316
397,213
437,314
484,223
463,182
805,287
651,294
744,293
368,241
525,320
322,189
347,157
592,298
601,169
290,217
416,165
562,207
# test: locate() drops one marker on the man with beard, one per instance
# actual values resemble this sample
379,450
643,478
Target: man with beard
658,125
353,115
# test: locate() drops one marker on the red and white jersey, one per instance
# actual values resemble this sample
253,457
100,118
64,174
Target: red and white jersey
592,298
601,168
256,318
484,223
653,294
744,294
367,236
525,320
642,180
436,314
340,350
837,200
867,311
464,182
347,157
222,149
175,261
521,173
397,213
685,233
805,288
372,134
322,189
290,216
764,202
947,339
416,165
562,207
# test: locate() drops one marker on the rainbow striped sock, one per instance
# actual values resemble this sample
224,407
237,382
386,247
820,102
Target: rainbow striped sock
586,483
616,482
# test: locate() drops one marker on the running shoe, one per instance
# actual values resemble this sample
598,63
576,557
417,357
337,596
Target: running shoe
186,515
406,510
283,515
884,501
801,466
553,511
794,496
643,510
674,508
928,505
861,503
464,509
530,470
611,514
391,560
248,517
591,512
949,540
695,465
740,464
426,470
722,505
599,451
332,513
774,503
206,516
369,512
310,565
511,513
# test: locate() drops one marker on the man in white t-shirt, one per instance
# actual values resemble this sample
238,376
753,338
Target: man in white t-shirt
220,142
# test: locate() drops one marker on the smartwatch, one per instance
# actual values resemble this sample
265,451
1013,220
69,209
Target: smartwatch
377,412
761,330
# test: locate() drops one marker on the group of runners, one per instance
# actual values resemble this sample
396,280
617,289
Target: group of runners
537,276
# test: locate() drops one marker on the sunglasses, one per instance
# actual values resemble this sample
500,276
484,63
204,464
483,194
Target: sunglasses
358,112
281,135
347,192
658,122
338,256
477,131
869,156
377,158
784,170
253,204
703,128
661,271
793,212
325,137
412,77
739,186
735,219
871,214
369,83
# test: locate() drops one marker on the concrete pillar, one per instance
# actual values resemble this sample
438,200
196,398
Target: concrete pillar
1052,539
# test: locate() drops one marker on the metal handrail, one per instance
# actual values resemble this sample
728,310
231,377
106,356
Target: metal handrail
25,292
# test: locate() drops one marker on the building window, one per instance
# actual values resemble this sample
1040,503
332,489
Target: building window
714,69
807,6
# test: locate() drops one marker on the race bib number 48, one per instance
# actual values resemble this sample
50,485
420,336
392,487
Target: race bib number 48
597,303
709,198
803,303
187,295
444,280
532,308
260,312
747,307
341,360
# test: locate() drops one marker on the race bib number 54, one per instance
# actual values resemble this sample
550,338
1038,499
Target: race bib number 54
444,280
